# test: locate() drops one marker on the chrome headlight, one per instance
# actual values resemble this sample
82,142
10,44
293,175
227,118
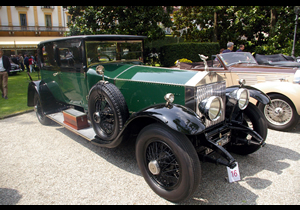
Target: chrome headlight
242,97
211,107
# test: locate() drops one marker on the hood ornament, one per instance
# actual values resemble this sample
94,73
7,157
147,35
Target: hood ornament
204,58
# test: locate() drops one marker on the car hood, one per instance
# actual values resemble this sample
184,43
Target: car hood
252,68
159,75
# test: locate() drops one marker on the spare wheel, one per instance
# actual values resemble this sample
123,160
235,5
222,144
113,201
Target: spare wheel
107,110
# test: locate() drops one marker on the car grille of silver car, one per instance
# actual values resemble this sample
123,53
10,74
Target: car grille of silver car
213,89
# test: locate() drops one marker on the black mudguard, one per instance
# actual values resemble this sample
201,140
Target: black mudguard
175,116
254,93
33,87
49,103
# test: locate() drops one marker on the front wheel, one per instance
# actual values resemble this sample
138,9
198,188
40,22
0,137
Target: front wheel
281,114
168,162
254,119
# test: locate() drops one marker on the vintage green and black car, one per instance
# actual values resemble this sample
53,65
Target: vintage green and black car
177,117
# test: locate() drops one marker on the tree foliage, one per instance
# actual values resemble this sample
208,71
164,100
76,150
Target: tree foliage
262,29
135,20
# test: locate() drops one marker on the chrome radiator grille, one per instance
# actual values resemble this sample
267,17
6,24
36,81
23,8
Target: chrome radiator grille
213,89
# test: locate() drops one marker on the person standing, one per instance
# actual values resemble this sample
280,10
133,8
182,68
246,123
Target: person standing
21,61
26,62
242,47
230,46
4,69
30,62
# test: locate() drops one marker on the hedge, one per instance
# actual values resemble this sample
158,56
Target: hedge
169,53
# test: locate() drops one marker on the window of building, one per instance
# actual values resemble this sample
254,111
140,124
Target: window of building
48,20
23,20
68,18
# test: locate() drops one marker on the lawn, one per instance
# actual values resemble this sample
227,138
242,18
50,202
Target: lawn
17,94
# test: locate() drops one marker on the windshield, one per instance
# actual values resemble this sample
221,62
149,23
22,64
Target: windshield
237,57
114,51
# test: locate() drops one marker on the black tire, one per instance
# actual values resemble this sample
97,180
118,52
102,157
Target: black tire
43,119
281,114
254,118
178,171
107,110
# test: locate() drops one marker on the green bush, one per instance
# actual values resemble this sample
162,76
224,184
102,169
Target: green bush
169,53
152,48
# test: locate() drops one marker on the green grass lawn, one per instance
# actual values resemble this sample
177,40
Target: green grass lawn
17,94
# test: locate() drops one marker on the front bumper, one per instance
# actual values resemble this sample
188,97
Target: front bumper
220,136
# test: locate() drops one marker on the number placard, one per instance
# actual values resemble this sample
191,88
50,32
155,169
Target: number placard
233,174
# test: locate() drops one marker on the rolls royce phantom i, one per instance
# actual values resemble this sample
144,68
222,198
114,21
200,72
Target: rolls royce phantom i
97,87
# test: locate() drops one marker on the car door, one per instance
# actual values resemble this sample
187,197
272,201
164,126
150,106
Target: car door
62,68
70,74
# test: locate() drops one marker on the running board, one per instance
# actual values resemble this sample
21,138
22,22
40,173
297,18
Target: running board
87,133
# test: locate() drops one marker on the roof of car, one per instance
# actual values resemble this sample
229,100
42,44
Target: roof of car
99,37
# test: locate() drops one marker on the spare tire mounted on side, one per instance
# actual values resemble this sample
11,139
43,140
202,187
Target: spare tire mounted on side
107,110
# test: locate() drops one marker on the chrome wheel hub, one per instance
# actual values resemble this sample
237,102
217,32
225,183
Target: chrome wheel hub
154,167
279,112
96,117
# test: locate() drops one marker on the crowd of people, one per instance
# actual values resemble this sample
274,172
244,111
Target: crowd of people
27,61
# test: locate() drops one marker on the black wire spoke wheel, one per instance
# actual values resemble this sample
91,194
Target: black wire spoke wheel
168,162
104,115
255,120
107,110
162,164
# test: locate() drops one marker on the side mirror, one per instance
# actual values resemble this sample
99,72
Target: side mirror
100,71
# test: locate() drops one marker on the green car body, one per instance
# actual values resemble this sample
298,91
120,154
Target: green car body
103,73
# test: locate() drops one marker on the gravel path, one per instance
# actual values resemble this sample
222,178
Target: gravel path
51,165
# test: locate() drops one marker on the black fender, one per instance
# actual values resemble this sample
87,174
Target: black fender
48,101
33,88
175,116
254,93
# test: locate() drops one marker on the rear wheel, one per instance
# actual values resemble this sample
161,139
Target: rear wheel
168,162
43,119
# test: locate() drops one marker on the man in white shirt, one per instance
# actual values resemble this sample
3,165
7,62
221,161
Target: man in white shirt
4,69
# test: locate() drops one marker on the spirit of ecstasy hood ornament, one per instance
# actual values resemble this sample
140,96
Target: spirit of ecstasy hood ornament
204,58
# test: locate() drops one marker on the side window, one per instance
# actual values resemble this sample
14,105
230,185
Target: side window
68,54
46,55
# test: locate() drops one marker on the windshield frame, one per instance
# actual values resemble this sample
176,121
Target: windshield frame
117,56
223,59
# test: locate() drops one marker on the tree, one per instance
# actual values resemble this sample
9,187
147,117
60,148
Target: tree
262,29
135,20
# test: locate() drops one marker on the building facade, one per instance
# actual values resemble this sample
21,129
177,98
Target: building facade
23,27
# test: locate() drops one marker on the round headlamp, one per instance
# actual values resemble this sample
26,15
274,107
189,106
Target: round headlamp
242,97
211,107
